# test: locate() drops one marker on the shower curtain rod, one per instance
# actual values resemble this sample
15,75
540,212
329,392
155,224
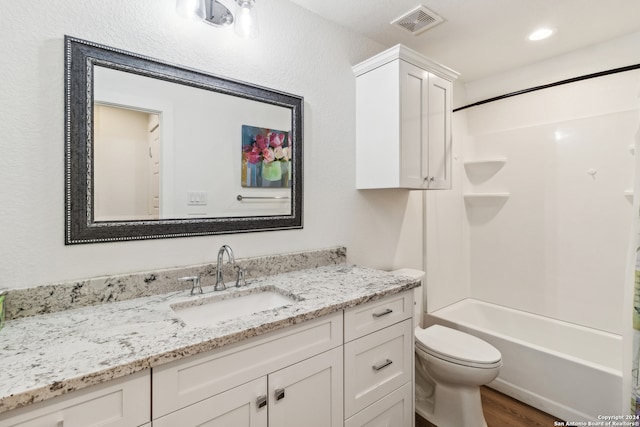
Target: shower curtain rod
549,85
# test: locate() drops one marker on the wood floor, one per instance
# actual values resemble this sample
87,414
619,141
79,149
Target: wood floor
502,411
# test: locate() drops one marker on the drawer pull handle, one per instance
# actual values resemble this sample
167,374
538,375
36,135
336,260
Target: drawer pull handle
261,401
279,394
382,313
382,365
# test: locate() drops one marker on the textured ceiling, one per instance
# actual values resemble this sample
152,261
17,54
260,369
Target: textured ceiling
482,37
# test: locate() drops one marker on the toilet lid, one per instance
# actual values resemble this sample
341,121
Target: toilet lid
456,346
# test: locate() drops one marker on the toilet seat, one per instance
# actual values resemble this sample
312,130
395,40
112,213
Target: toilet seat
457,347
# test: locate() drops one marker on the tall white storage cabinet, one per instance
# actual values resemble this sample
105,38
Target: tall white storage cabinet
403,121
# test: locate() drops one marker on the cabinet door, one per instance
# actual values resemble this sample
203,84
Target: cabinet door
308,393
242,406
124,402
439,133
414,116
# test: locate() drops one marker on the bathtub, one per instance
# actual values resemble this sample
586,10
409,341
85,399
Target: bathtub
567,370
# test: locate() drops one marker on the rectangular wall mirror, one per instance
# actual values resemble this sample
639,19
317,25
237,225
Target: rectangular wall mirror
154,150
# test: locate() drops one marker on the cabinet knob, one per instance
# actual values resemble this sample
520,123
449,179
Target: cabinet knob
261,401
279,393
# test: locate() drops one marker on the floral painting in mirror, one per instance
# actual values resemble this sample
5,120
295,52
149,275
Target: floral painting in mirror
266,157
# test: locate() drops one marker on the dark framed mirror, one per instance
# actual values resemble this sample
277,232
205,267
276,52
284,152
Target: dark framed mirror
155,150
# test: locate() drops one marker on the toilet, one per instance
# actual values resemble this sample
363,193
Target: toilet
450,367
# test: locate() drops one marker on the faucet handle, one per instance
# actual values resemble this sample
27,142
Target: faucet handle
195,283
240,281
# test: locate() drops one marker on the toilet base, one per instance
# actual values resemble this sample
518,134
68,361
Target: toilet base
449,406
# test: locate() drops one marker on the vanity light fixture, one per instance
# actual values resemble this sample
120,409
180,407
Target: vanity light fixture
540,34
246,19
215,13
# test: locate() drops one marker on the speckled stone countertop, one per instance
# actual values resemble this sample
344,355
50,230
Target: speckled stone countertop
49,355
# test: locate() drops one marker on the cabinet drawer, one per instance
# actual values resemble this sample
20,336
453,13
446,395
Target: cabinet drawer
376,365
185,382
367,318
119,403
395,409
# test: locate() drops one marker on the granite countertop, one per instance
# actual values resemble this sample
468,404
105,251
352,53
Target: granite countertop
49,355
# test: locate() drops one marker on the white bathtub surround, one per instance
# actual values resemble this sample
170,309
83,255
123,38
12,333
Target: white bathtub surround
567,370
557,246
110,341
122,287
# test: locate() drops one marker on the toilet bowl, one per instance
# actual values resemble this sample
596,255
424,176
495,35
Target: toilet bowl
450,367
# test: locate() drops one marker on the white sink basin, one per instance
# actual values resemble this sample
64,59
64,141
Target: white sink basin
209,311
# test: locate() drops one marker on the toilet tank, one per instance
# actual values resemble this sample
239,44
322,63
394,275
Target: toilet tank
419,294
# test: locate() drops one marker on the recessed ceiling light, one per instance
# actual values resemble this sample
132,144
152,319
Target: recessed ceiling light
540,34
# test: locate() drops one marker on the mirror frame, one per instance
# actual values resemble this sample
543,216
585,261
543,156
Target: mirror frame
80,58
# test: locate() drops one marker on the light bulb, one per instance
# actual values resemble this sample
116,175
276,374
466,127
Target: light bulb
246,19
540,34
191,9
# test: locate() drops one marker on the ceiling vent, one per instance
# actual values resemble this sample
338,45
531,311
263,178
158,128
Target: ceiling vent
417,20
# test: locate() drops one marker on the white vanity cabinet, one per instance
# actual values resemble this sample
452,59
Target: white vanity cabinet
378,363
351,368
403,121
119,403
291,377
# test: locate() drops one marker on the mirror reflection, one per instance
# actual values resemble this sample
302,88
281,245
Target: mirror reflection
127,163
169,151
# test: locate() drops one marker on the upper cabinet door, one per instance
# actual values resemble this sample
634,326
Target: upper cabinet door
439,133
414,126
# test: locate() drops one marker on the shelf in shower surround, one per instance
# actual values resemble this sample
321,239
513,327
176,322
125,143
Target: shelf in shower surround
628,194
496,163
481,170
486,199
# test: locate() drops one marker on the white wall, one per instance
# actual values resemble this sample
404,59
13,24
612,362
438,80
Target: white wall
296,52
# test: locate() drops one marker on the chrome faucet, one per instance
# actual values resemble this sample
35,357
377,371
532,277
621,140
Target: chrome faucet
220,286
